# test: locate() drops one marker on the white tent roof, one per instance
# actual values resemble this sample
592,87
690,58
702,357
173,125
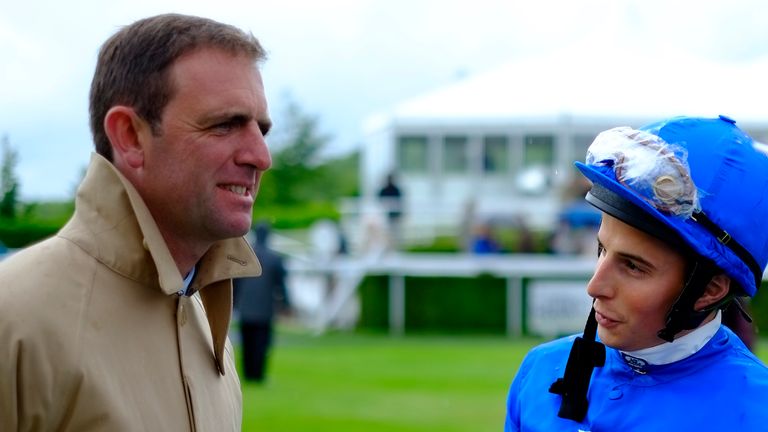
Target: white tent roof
598,85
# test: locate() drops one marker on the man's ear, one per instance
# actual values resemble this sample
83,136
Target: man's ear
128,134
717,288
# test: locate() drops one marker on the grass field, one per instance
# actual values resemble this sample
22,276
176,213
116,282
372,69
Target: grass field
377,383
371,383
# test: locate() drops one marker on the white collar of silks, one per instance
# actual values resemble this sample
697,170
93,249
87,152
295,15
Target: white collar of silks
670,352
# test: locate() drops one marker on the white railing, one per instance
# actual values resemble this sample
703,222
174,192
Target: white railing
349,272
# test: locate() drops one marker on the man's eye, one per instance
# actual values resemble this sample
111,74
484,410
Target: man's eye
223,128
631,266
229,125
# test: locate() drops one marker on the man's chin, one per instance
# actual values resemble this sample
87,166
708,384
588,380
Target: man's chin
236,228
608,338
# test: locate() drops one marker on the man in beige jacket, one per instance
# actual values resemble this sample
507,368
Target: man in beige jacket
119,322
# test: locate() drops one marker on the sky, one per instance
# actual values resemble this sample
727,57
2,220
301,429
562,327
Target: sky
340,60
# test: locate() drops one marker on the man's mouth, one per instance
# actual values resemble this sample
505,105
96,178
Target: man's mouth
604,320
237,189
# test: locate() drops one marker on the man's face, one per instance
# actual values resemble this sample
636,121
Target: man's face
202,172
637,279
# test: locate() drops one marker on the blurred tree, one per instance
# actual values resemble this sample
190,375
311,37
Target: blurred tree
9,183
297,143
300,173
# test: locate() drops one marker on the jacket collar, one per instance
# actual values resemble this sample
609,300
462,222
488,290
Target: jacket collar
113,224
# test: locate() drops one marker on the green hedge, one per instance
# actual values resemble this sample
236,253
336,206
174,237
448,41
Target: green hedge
41,220
18,234
35,221
294,217
374,305
468,305
433,304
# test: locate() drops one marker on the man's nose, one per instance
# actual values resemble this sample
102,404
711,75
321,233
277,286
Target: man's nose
254,150
600,283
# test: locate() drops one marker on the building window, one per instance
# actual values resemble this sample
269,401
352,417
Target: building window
539,150
535,178
495,154
412,154
455,154
580,145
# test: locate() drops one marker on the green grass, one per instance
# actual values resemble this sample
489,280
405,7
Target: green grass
376,383
363,382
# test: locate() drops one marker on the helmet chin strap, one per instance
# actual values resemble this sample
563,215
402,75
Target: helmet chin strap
586,354
683,315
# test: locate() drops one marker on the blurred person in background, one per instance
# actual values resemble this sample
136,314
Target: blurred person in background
119,322
683,205
526,242
391,198
256,299
484,240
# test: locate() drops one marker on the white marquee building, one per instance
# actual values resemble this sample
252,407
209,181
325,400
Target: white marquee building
506,140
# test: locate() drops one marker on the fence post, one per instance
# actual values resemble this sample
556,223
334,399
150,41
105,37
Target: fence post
514,306
396,304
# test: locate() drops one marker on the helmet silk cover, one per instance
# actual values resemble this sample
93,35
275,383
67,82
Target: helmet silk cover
658,172
684,170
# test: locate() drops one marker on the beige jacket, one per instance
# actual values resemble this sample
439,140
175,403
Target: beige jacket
94,337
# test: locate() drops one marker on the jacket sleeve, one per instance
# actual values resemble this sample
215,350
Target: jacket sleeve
27,399
39,375
9,385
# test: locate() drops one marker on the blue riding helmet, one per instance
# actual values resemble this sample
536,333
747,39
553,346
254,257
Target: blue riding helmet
700,179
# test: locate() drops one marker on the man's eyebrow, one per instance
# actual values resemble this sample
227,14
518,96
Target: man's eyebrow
224,116
629,256
265,124
637,258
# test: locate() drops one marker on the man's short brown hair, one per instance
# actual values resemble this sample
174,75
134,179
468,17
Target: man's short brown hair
132,67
